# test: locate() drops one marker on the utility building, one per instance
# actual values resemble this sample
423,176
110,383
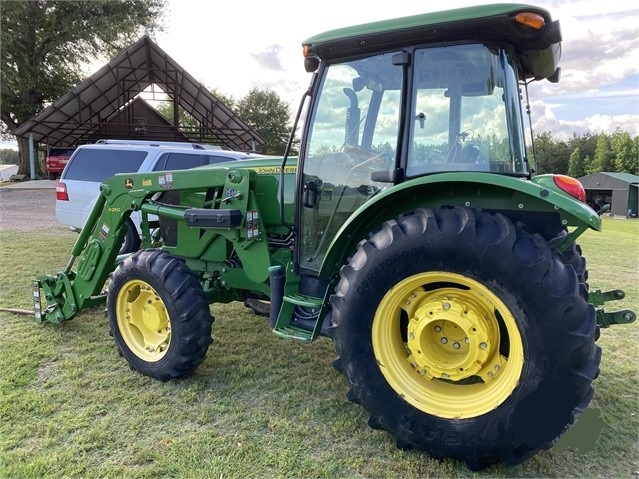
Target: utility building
619,190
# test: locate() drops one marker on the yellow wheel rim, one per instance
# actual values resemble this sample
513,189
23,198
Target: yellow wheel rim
447,345
143,320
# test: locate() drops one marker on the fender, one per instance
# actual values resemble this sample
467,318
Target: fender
515,196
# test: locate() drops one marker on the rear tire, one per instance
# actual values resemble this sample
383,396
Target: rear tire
465,335
159,315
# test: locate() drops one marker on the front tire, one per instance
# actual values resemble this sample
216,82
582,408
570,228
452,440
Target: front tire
159,315
465,335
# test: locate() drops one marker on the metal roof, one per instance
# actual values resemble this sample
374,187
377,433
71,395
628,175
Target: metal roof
71,119
609,180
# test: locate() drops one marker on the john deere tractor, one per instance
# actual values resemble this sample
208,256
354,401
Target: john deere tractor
411,229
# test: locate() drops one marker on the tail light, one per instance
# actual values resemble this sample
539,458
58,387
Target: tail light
571,186
61,192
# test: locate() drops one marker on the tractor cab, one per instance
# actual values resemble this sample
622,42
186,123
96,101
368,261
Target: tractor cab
383,116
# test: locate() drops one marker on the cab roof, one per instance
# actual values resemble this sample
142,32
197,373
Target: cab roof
483,23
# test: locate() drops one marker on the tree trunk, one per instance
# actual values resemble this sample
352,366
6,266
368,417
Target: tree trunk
24,164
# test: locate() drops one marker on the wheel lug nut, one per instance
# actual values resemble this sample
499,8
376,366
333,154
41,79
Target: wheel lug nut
444,340
438,329
456,345
483,345
446,306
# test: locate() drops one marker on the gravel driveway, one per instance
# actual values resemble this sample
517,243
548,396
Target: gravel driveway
23,209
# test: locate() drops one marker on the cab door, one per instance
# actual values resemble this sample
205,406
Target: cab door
352,132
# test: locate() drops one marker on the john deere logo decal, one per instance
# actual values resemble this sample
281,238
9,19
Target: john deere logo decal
128,183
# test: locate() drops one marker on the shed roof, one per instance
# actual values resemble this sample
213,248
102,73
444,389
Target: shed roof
72,118
609,180
626,177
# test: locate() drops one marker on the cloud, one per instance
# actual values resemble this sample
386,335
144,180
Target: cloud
599,48
544,119
269,58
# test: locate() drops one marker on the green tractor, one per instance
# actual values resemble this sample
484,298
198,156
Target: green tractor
411,230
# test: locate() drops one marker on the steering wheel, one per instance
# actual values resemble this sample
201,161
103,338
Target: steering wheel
367,157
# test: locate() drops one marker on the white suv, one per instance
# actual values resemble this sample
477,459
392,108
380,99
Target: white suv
90,165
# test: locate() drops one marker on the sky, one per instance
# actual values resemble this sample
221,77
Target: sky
238,45
247,44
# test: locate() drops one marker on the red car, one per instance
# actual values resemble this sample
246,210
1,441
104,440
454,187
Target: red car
56,160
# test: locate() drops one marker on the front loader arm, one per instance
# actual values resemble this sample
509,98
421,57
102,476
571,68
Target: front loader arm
97,247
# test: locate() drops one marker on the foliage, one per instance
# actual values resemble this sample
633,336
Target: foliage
576,167
262,110
258,406
267,114
228,100
8,156
603,160
551,156
44,43
589,153
184,120
626,151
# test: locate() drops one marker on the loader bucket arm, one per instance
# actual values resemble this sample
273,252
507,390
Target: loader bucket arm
70,290
61,296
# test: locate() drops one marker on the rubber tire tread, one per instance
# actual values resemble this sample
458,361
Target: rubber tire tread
187,305
556,324
132,240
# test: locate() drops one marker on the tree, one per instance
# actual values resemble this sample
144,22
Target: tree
8,156
228,100
551,156
575,164
603,160
184,120
624,149
269,116
262,110
587,163
45,43
587,143
187,123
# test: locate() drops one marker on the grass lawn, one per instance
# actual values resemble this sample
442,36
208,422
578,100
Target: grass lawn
258,406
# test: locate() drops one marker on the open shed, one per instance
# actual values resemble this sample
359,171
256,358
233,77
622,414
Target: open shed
619,190
101,106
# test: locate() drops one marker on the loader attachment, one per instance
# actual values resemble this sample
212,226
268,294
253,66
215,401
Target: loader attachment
60,297
69,291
